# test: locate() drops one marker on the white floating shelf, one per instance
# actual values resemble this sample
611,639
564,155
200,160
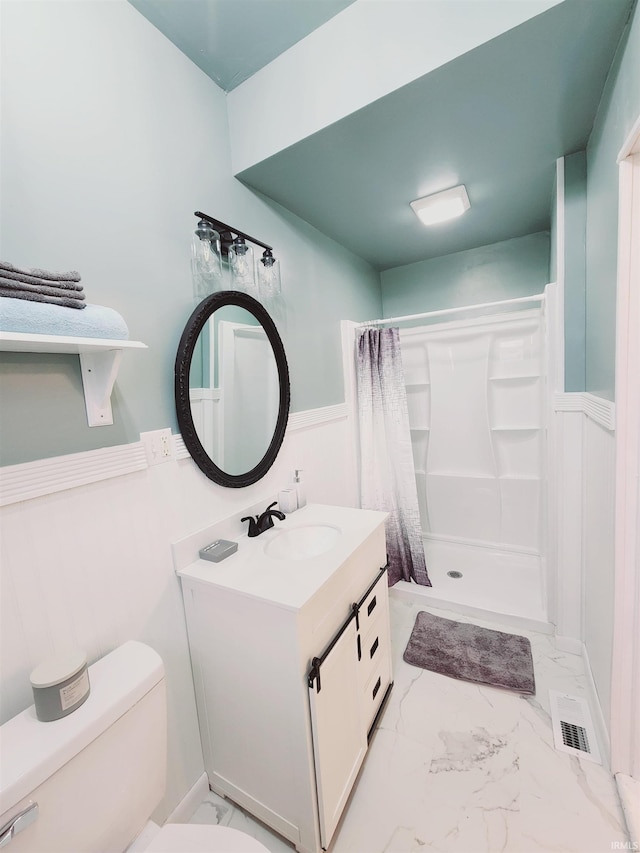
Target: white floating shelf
99,363
23,342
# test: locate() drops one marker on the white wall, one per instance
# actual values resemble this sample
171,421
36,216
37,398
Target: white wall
92,565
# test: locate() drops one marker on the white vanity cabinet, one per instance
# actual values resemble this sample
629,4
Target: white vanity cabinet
347,686
291,664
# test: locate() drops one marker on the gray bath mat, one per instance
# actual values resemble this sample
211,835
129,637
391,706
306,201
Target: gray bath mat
466,651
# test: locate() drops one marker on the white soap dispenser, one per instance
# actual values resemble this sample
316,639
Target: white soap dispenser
297,480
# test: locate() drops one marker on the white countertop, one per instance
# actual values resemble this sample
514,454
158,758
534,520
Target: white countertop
288,583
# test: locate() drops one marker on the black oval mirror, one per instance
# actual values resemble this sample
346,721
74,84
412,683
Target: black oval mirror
232,389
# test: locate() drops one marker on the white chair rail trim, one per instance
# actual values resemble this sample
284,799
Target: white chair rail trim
601,411
29,480
314,417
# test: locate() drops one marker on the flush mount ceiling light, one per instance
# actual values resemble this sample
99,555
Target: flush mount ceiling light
442,206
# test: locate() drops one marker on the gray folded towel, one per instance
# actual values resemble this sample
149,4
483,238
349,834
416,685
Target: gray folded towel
49,289
38,273
65,302
31,279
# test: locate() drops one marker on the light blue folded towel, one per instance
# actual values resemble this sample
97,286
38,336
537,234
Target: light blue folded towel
42,318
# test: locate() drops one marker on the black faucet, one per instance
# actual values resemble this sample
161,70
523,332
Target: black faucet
263,522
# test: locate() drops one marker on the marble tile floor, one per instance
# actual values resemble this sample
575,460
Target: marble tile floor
460,767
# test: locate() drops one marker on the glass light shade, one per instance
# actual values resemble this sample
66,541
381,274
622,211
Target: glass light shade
269,289
206,261
268,276
242,269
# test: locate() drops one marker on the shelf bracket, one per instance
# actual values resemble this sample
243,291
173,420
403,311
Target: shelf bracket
99,371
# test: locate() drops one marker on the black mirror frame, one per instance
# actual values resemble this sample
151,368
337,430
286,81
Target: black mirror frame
186,347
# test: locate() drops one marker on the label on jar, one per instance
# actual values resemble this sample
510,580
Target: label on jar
74,691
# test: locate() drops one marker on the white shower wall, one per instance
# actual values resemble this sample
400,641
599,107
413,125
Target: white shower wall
476,392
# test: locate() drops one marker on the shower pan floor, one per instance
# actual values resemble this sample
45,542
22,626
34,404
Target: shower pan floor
506,584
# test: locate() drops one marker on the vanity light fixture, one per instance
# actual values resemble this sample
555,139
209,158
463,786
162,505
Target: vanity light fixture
442,206
206,260
243,275
269,275
232,244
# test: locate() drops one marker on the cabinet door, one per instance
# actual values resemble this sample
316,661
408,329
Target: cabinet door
339,736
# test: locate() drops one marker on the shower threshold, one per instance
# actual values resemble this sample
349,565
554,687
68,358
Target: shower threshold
504,585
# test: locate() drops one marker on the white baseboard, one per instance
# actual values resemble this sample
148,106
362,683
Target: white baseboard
577,647
570,645
629,793
190,802
602,730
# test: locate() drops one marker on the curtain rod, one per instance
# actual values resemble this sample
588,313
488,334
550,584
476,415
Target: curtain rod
539,297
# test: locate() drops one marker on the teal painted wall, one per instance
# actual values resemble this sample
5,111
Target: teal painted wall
619,108
506,270
575,221
111,138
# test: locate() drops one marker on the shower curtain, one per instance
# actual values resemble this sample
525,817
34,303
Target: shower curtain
387,480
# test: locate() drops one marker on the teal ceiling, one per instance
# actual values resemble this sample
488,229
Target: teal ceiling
495,119
232,39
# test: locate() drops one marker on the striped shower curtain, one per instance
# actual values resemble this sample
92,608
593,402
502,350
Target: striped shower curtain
387,478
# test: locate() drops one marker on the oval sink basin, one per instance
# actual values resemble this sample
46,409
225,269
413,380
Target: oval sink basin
301,543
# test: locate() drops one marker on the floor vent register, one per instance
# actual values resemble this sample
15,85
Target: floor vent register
573,729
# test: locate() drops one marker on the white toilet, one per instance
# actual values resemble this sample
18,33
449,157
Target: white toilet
98,774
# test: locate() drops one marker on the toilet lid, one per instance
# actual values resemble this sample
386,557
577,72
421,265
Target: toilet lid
202,838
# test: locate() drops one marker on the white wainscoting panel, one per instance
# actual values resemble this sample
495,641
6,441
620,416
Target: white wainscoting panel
90,567
569,482
89,563
599,537
585,487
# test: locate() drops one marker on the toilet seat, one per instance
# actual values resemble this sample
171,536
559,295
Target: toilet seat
202,838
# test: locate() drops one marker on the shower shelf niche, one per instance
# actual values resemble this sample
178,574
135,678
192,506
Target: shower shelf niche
514,428
524,377
475,398
528,477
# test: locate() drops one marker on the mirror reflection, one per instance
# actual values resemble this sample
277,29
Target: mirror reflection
234,389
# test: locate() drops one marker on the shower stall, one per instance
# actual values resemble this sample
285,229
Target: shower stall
476,390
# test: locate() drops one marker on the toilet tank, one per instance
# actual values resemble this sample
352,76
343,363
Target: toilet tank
97,774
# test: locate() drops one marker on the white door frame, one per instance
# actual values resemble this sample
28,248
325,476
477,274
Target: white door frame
625,679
